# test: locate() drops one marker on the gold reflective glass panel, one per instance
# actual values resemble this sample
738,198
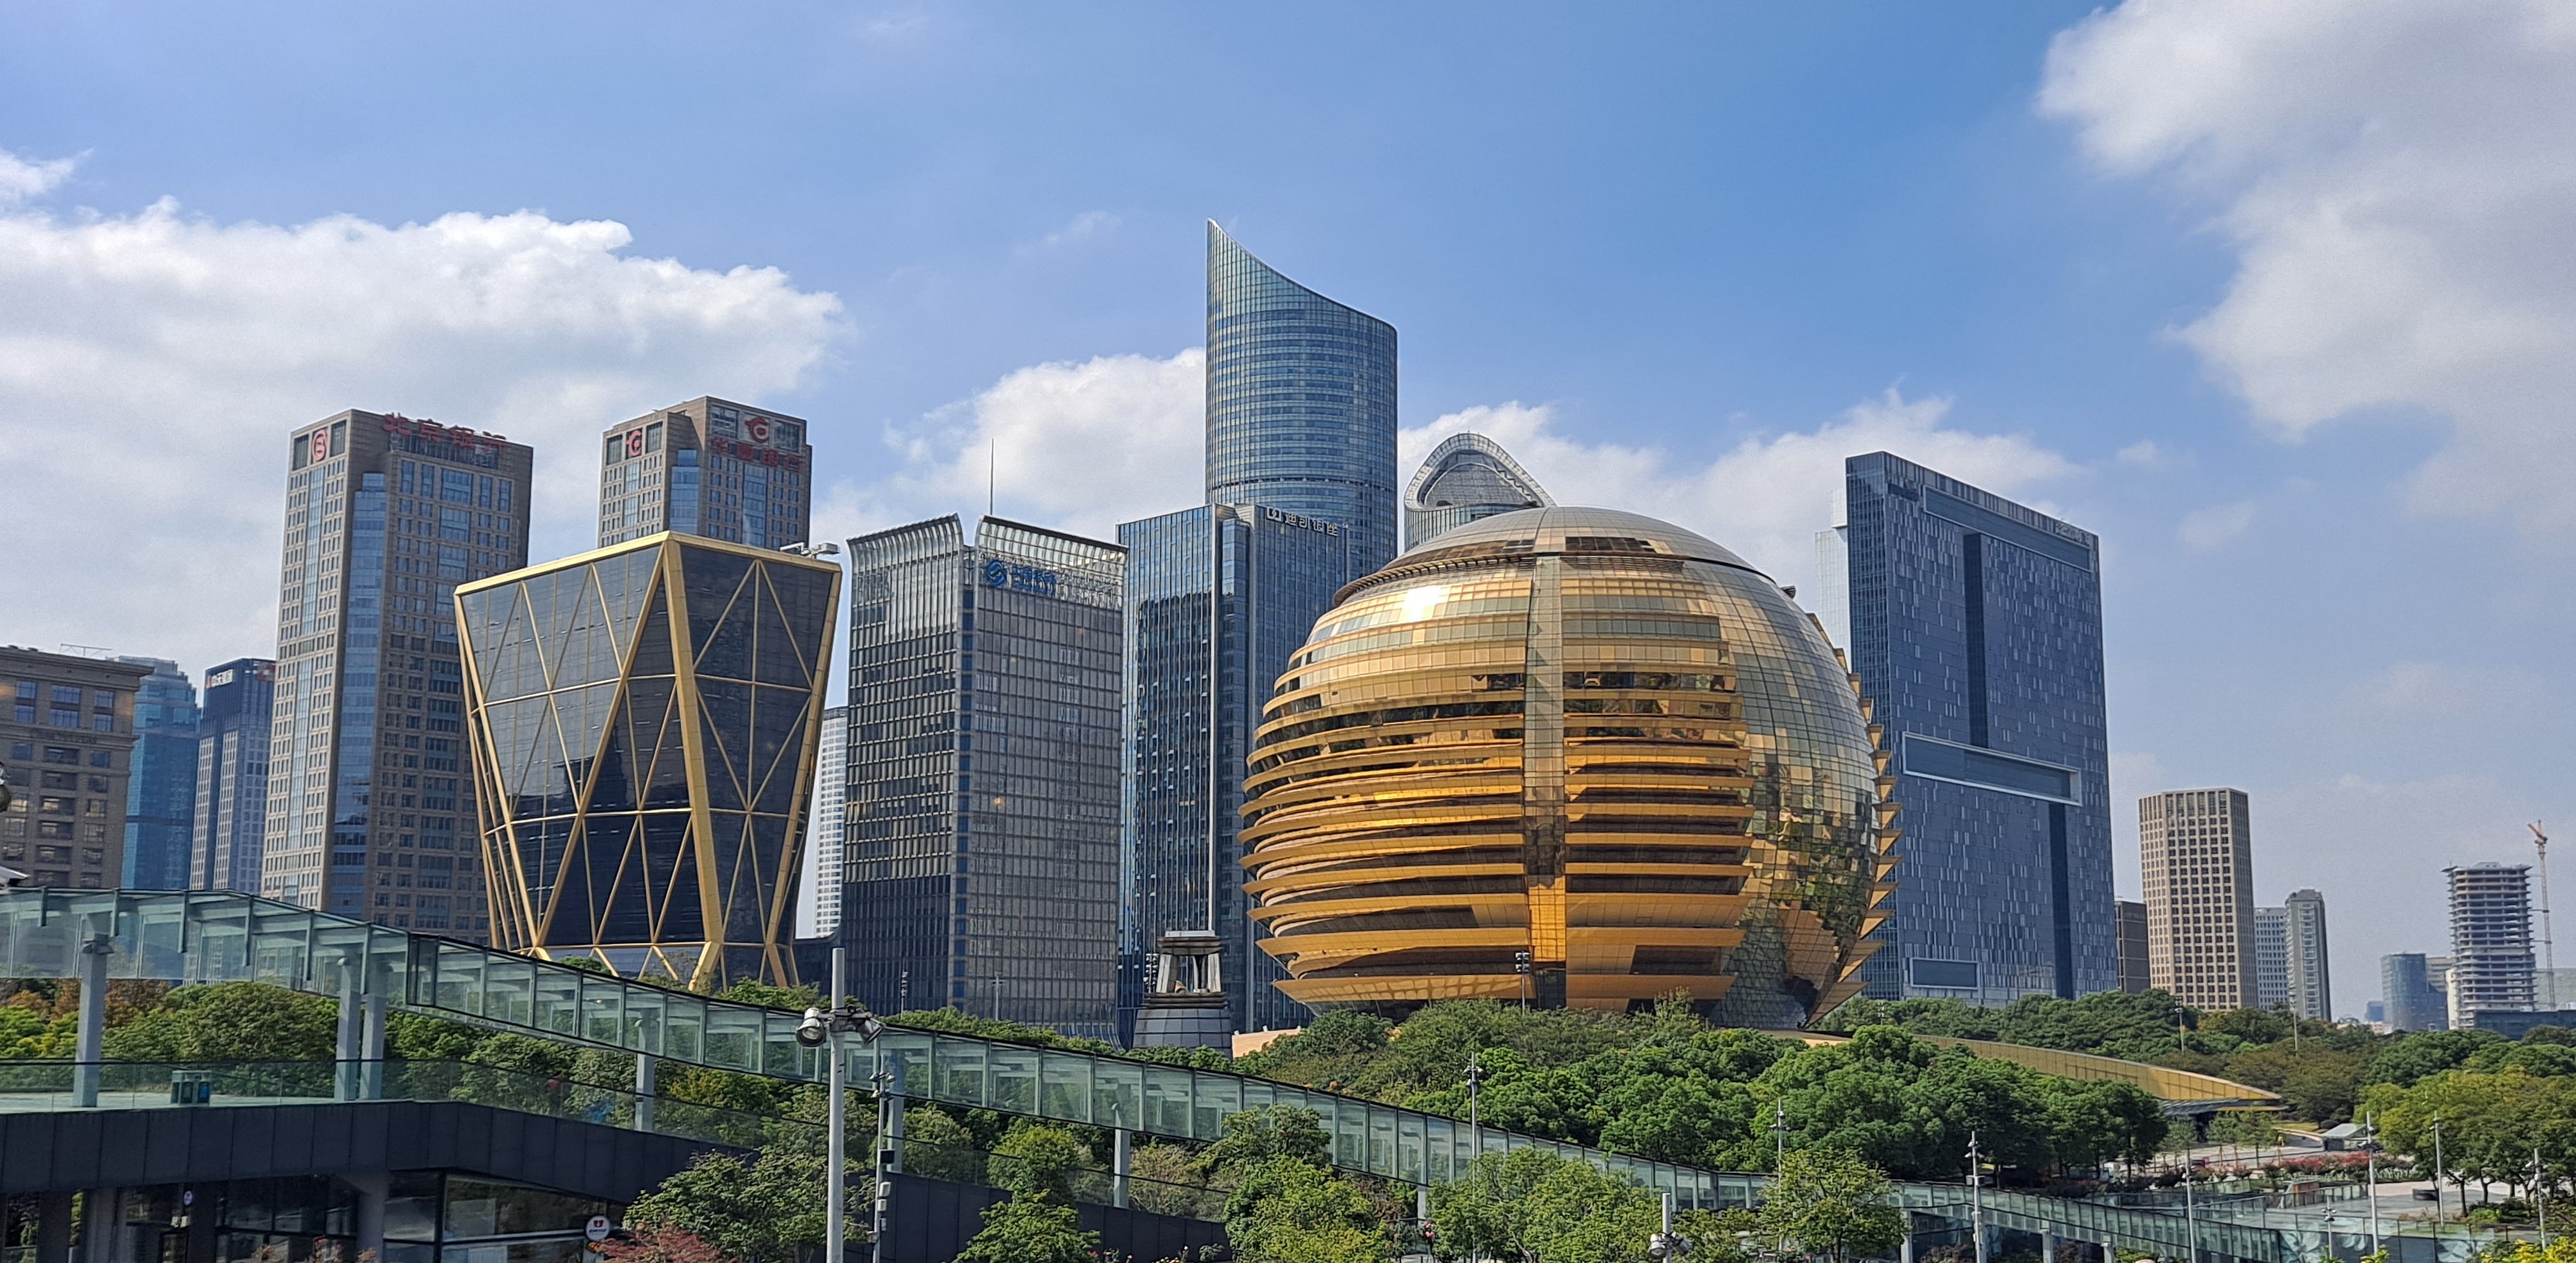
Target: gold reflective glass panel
1573,757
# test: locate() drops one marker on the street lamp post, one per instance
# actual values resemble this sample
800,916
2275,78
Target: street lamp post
1976,1204
2370,1139
2437,1177
828,1029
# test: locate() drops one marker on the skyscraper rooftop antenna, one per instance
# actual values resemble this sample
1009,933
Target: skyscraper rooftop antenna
2548,950
992,471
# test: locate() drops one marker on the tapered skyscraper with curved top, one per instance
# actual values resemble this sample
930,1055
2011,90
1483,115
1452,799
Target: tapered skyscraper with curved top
1300,402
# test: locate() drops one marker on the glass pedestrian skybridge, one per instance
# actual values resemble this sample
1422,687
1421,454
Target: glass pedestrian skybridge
201,937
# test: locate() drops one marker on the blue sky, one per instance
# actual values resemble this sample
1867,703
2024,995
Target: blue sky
2272,296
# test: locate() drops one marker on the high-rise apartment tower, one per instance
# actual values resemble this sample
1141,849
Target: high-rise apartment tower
2271,958
707,467
68,734
2491,965
385,515
2306,972
161,796
1300,402
1976,630
232,776
982,811
2198,857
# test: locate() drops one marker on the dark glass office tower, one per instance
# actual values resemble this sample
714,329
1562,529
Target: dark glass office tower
645,720
161,796
385,515
232,776
1300,402
981,811
1976,629
1218,597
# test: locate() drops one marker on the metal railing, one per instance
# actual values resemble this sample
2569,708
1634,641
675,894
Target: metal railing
203,937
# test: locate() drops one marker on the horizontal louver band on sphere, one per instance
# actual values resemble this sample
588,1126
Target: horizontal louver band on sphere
1575,757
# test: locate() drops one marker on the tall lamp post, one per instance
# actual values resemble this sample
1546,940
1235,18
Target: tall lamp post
830,1028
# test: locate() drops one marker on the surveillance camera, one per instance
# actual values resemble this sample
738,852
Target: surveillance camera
810,1032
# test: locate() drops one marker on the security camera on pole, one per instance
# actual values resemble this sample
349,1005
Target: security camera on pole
831,1026
1667,1244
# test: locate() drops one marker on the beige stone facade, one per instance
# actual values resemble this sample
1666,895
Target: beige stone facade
67,737
2198,851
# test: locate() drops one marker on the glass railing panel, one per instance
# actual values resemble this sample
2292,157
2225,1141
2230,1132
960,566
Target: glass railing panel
643,1019
153,942
1064,1086
684,1027
1167,1107
1117,1094
1347,1123
907,1058
1015,1078
603,1010
1216,1096
780,1055
733,1038
959,1067
1382,1156
557,999
1258,1094
281,942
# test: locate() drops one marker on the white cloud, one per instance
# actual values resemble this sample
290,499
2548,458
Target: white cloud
1079,447
1080,228
2398,181
152,364
2145,455
1766,498
2206,529
23,180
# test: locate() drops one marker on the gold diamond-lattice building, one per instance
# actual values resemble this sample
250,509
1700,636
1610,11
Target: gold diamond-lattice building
644,721
1573,756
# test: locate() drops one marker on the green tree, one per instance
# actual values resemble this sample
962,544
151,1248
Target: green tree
1031,1230
1254,1137
1531,1206
1833,1204
1288,1210
230,1021
1036,1160
937,1146
768,1209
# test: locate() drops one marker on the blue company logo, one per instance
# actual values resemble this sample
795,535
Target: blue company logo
1019,578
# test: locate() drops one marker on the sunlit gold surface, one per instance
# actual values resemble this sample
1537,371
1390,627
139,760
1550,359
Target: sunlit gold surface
1583,736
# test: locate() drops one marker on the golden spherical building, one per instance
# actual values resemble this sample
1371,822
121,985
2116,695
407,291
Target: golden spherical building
1576,757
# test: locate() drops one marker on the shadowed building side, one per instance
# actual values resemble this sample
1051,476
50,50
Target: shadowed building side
644,722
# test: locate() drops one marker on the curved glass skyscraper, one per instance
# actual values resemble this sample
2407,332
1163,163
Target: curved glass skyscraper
1300,402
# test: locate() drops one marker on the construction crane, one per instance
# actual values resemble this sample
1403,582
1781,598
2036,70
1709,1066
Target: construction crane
2548,951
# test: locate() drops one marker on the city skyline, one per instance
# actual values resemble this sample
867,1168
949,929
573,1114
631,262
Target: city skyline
1674,264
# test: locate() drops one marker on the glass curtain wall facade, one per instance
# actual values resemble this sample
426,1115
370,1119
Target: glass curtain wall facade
2414,1003
1574,757
232,776
707,467
981,817
645,722
1976,630
161,796
1300,402
1468,478
385,516
1218,597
